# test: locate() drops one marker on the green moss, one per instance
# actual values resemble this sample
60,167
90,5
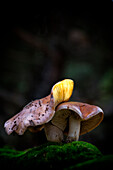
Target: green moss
50,155
97,163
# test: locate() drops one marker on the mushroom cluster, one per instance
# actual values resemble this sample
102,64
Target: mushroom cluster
61,120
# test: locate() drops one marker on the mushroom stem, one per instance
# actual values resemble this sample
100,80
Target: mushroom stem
74,129
53,133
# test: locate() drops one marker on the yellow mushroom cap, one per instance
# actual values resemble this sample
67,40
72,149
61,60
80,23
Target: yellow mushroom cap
62,91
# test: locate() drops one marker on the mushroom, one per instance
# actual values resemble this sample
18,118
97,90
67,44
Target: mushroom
39,112
75,119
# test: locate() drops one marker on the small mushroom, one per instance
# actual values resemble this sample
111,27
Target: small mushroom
39,112
75,119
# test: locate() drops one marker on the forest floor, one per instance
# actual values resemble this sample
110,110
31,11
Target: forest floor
75,155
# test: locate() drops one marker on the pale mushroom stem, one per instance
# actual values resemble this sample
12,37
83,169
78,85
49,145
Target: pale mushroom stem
74,129
53,133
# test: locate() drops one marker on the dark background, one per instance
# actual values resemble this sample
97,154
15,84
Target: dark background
43,47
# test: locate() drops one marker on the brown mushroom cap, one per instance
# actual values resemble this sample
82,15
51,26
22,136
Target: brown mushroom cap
90,115
40,111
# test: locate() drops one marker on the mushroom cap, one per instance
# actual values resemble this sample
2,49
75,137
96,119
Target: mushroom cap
40,111
36,128
62,91
90,115
35,113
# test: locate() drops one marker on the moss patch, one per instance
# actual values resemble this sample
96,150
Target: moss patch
104,162
51,156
